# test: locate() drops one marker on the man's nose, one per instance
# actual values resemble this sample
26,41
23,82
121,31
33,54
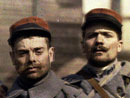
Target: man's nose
31,57
100,38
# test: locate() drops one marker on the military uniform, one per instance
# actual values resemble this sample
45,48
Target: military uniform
46,84
104,76
116,85
49,87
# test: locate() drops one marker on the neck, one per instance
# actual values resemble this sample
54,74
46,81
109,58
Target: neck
100,69
28,83
101,64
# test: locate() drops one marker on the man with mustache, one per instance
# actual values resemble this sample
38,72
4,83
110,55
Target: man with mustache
103,76
32,55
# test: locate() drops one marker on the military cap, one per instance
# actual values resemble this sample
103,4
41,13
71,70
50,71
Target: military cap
29,26
102,14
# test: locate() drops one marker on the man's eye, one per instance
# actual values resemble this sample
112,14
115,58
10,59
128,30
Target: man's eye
108,35
91,35
22,53
38,52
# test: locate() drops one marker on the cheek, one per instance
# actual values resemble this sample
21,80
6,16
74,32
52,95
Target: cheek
44,63
114,47
89,44
20,61
20,68
43,59
20,64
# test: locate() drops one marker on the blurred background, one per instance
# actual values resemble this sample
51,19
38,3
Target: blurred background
65,19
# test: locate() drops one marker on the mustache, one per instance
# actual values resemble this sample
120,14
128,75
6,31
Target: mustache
100,48
32,65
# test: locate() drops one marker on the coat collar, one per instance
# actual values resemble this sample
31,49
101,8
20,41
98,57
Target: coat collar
99,72
47,89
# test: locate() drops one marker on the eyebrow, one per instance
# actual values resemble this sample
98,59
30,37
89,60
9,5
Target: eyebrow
107,32
37,48
88,33
24,49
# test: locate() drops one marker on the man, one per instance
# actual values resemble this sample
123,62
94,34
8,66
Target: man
103,76
32,55
3,90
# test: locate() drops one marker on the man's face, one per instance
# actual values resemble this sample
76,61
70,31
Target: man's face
101,45
32,57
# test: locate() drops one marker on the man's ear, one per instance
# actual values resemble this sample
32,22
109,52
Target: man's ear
83,46
12,57
52,54
120,45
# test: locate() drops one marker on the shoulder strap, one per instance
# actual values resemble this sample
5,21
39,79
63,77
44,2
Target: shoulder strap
94,84
98,88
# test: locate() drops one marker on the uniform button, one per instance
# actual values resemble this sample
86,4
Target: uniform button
120,91
127,81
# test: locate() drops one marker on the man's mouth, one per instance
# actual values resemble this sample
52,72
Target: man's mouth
100,49
32,69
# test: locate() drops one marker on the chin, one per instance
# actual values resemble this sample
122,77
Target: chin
101,62
33,76
99,59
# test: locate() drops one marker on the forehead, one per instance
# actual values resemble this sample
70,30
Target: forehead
31,42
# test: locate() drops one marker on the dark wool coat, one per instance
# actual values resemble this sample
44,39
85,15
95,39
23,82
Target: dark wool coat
119,85
51,87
